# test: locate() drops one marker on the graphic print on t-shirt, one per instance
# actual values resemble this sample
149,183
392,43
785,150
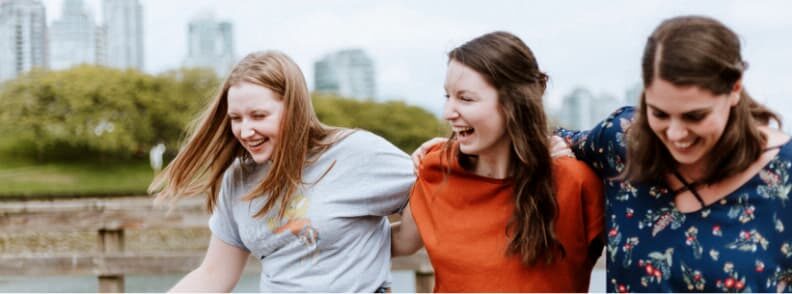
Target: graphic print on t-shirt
295,220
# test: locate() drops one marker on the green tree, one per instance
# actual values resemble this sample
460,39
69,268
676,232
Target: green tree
99,112
403,125
91,112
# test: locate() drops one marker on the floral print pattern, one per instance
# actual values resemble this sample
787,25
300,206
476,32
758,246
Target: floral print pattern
738,244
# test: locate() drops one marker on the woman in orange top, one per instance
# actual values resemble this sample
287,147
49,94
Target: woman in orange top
494,210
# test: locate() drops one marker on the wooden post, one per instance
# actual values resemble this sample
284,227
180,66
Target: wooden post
111,241
424,282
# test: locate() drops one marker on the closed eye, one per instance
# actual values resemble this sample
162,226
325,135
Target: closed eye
694,117
659,114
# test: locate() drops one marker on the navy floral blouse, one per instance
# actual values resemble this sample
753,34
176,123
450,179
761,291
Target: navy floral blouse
743,243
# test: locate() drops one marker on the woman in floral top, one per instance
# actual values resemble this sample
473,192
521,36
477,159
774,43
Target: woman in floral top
696,182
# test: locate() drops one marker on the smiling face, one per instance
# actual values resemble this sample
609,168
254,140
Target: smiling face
255,113
688,120
473,111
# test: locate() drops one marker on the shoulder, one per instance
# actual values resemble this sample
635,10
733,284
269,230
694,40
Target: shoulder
570,171
621,119
362,142
436,163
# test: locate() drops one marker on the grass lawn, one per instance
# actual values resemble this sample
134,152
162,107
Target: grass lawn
75,179
21,179
27,178
24,178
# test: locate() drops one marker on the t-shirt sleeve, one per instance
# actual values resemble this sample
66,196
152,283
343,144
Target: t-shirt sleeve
222,222
602,147
379,177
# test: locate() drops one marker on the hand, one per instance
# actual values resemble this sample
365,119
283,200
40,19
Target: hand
419,153
558,148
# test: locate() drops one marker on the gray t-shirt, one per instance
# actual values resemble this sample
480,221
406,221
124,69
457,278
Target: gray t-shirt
343,242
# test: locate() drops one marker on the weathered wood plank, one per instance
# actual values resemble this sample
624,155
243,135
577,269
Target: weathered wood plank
138,263
109,218
98,214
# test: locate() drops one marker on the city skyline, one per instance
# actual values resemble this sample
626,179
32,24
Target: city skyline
210,44
347,73
23,37
592,45
73,37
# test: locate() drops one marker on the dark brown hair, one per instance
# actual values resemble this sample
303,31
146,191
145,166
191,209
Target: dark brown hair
510,67
211,146
702,52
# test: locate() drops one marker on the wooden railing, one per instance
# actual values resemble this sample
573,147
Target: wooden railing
110,218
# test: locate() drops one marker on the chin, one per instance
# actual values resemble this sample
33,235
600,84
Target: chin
261,158
687,160
467,150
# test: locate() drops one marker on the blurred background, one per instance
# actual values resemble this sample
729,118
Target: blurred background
93,93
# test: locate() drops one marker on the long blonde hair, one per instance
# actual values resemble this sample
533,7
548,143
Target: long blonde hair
211,146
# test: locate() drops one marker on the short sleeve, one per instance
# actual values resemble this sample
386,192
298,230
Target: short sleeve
603,147
378,176
222,222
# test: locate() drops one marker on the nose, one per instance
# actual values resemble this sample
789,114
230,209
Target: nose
449,110
676,130
246,130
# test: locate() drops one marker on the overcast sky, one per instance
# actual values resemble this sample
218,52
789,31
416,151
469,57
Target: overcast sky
593,44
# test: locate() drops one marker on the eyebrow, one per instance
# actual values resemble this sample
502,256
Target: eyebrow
463,91
692,112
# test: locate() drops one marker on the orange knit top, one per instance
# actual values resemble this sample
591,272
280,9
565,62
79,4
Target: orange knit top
462,220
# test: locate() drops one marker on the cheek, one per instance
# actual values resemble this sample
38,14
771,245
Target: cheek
657,126
714,127
274,126
235,129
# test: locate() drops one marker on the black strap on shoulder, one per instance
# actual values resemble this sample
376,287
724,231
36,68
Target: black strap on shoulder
691,187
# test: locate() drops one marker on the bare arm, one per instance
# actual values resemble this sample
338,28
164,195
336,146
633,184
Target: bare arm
219,272
405,238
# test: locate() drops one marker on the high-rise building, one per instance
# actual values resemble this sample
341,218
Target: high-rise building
72,37
347,73
23,37
604,105
101,45
123,35
576,112
632,95
581,109
210,44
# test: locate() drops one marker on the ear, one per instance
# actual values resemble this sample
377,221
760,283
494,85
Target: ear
734,96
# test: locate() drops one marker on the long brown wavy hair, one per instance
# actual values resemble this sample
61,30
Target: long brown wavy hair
511,68
211,146
702,52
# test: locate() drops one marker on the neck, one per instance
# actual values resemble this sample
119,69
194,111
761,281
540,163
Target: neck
691,172
493,164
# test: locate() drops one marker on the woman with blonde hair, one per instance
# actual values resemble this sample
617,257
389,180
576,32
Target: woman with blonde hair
309,201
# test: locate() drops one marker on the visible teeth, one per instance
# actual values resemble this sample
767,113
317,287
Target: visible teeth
459,130
683,145
256,143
